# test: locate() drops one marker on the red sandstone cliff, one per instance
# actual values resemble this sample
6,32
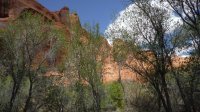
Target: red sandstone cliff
12,9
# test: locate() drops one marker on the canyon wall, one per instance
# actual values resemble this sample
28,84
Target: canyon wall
12,9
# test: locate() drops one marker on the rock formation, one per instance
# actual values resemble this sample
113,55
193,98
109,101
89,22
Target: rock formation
12,9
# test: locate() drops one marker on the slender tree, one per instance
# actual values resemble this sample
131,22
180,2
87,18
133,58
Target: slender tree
188,11
149,44
87,65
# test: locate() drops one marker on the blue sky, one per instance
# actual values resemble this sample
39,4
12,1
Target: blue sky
89,11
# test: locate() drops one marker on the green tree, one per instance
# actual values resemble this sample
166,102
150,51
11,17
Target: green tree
116,94
188,11
56,99
88,56
149,49
23,40
119,54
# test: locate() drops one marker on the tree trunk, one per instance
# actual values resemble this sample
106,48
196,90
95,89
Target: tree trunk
161,96
16,86
96,96
119,79
13,96
191,95
187,106
119,71
97,102
29,95
164,86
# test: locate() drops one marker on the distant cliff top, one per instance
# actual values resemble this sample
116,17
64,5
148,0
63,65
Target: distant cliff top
12,9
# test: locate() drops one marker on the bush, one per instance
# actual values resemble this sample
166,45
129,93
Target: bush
113,97
140,97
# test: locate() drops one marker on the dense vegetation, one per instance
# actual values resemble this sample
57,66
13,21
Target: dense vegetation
29,47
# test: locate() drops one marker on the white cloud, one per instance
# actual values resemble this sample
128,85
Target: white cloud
126,21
